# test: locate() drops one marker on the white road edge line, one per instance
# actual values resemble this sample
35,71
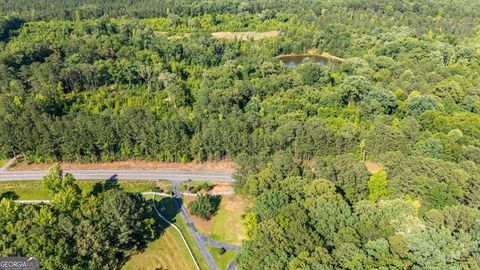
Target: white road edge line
175,226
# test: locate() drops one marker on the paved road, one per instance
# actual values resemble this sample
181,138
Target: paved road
218,244
173,175
232,265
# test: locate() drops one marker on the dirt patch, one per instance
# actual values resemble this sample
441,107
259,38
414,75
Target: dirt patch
188,199
221,187
372,166
326,55
162,185
235,203
225,166
205,226
179,36
245,35
225,35
10,186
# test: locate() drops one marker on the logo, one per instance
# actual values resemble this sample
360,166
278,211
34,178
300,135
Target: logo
19,263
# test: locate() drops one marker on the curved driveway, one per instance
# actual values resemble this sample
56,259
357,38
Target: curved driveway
193,231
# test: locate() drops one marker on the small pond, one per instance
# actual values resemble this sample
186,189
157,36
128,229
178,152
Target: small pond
295,60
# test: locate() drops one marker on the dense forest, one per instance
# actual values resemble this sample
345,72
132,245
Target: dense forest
115,80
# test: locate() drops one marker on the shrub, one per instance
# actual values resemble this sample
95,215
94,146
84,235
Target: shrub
205,206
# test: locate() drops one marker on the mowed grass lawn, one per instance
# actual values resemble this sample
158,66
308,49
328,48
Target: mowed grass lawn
169,251
23,190
227,223
224,259
33,190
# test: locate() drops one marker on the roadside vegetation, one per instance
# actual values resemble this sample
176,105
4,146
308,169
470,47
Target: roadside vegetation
33,190
195,187
221,165
3,161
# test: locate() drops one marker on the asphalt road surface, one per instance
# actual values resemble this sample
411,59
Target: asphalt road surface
172,175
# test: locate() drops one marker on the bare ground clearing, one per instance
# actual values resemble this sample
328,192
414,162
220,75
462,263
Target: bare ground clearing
225,166
245,35
326,55
372,166
221,187
227,35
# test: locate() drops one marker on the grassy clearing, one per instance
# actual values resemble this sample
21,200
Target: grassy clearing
23,190
227,223
33,190
170,211
222,260
191,242
143,186
167,252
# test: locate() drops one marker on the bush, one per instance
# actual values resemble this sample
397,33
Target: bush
205,186
205,206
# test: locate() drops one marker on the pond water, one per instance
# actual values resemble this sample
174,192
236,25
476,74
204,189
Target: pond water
295,60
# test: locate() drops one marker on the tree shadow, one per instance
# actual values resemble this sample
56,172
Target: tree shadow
110,183
216,200
167,207
9,195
